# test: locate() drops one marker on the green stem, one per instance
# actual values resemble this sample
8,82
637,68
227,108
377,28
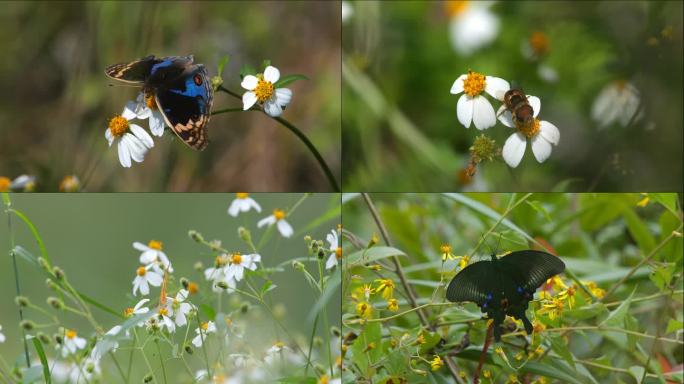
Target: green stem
300,135
17,285
161,360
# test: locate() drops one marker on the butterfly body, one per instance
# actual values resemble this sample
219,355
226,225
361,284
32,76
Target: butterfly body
181,91
504,286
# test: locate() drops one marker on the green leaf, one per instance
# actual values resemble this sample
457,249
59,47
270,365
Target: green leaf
363,356
616,318
222,63
662,276
637,372
537,206
561,348
667,200
43,359
638,229
208,311
586,312
370,255
674,326
267,287
285,80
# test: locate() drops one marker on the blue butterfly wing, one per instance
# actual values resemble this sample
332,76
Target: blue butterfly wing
185,102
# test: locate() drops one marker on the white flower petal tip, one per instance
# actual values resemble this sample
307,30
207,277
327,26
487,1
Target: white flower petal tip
514,149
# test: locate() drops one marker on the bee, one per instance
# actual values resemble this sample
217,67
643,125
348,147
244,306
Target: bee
515,101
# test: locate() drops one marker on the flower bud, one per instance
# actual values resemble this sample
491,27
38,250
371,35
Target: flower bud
335,331
307,239
198,266
43,264
148,378
50,284
483,148
55,302
27,325
222,285
244,308
45,339
22,301
245,234
188,349
58,272
184,282
196,236
298,265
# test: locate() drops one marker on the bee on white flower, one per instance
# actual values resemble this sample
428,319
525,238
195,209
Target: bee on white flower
238,264
242,203
152,254
145,277
71,343
207,327
261,88
132,141
334,246
278,217
472,106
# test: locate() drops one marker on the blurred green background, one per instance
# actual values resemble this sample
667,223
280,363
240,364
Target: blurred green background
400,131
57,100
90,237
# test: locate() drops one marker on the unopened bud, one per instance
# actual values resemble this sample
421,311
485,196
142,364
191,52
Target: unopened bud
45,339
27,325
298,265
184,282
188,349
198,266
55,302
22,301
58,272
245,234
195,236
148,378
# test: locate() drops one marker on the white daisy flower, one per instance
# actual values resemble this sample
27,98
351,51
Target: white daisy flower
274,351
217,274
472,25
132,141
152,254
617,101
24,183
261,88
164,315
144,277
472,105
242,203
238,263
334,244
2,337
278,217
138,309
207,327
145,107
541,133
179,307
71,343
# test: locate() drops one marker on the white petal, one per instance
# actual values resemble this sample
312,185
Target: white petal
272,108
457,87
549,132
249,82
154,278
248,100
140,304
157,124
140,246
148,256
283,96
234,208
254,204
135,147
80,342
142,135
109,136
332,261
496,86
129,110
535,103
124,154
238,272
514,149
505,117
144,288
271,74
464,110
541,148
266,221
483,113
285,228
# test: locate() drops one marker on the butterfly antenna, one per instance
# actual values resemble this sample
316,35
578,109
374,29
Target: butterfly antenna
499,242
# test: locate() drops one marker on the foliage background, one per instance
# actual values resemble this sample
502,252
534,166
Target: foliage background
400,131
601,238
90,237
56,99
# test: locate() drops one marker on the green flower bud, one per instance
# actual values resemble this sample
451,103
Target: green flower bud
483,148
22,301
55,302
58,272
196,236
198,266
45,339
27,325
245,234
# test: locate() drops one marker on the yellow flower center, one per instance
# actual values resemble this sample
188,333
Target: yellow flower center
69,183
141,271
128,311
363,309
456,7
279,344
338,253
620,84
445,248
221,260
149,101
5,183
474,83
118,125
279,214
163,311
539,43
323,380
205,326
154,244
264,89
529,130
193,288
242,195
70,334
236,258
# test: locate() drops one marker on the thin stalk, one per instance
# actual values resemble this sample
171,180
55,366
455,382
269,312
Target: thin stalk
161,360
301,136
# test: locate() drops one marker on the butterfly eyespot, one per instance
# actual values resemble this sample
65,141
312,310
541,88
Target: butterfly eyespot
198,79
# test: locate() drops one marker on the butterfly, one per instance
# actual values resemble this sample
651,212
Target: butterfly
181,91
506,285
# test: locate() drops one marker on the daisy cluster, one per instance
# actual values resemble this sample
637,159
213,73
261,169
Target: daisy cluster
473,107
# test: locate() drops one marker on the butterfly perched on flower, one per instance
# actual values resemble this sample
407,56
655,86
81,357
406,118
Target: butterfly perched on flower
180,89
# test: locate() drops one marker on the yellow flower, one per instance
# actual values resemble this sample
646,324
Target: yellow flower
393,305
436,363
512,379
367,291
386,288
464,261
538,327
487,374
364,309
569,295
554,308
644,201
323,379
594,289
420,339
499,351
558,283
445,250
